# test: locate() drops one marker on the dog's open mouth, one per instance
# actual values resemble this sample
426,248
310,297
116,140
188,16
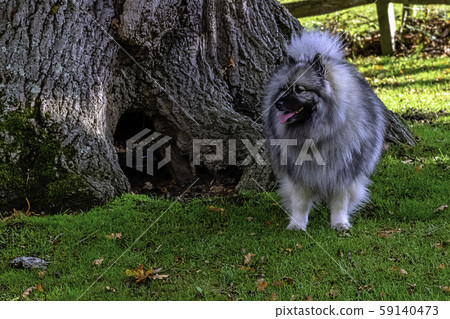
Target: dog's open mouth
289,117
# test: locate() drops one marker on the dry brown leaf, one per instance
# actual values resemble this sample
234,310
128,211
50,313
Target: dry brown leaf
403,272
261,284
445,288
309,298
441,266
97,262
114,236
248,258
418,168
298,246
332,293
39,288
273,296
216,209
27,292
387,233
41,274
142,275
244,268
111,289
441,208
278,284
382,294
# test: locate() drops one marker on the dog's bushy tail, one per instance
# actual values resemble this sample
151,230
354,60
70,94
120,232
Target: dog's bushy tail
307,44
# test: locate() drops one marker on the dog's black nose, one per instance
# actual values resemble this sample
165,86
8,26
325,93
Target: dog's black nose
279,104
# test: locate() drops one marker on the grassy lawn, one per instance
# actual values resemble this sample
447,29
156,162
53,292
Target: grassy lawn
397,248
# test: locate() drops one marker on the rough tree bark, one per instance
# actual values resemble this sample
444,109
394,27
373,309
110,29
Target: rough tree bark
70,69
65,82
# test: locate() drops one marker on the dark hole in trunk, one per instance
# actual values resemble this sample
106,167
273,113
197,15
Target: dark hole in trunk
173,178
129,125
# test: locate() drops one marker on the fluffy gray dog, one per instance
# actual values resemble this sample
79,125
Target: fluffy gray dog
319,104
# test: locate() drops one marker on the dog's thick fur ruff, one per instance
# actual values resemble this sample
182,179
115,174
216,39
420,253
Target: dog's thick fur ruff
345,120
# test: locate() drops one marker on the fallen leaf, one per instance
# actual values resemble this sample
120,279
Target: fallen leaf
332,293
39,288
142,275
298,246
261,284
27,292
130,273
273,297
229,297
97,262
309,298
278,284
445,288
216,209
441,208
41,274
403,272
248,258
382,294
114,236
245,268
111,289
387,233
249,219
418,168
441,266
289,281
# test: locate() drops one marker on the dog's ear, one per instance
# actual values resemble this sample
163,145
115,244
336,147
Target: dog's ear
317,64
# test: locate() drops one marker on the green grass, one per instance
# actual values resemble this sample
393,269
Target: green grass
203,251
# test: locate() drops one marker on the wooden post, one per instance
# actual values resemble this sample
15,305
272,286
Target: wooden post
386,20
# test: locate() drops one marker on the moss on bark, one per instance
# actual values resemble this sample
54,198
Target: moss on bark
34,165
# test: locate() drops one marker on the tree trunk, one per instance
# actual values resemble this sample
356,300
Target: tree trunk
69,70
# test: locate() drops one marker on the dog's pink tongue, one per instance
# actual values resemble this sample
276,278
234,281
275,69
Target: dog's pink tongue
285,116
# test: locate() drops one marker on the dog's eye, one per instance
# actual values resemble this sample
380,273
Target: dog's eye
284,88
298,89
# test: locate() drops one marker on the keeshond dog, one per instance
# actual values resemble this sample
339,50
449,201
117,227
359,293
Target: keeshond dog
326,130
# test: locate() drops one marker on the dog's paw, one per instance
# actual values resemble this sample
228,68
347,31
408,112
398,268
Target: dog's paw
294,225
341,225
